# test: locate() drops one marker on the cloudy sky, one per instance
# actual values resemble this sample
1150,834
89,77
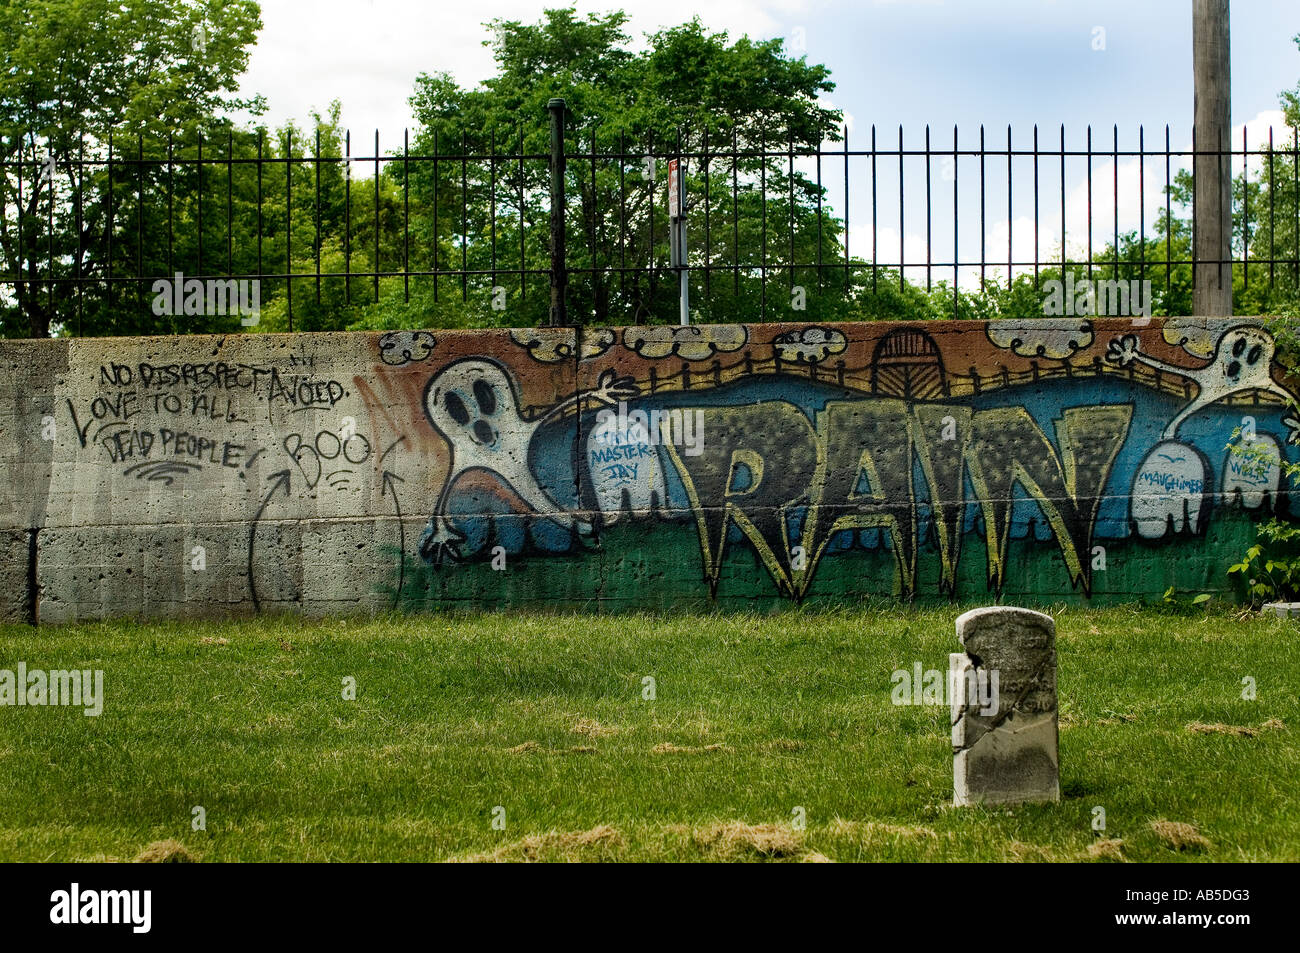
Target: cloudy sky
909,62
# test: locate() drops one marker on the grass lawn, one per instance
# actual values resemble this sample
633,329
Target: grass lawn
543,715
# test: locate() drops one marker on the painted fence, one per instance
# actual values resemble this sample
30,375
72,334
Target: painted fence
659,466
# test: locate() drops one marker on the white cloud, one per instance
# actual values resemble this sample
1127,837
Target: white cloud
1257,130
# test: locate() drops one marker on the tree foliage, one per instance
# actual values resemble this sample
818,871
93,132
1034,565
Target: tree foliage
97,78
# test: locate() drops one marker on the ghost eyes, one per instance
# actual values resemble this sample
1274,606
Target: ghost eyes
456,407
1254,354
1239,347
486,396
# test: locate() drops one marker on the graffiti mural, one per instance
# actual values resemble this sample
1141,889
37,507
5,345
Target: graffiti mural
805,446
653,466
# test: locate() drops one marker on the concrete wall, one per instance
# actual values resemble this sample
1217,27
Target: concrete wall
336,473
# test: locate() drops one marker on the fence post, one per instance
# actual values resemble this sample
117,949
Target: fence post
559,276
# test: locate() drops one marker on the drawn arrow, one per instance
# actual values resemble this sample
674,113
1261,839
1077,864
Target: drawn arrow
390,486
278,480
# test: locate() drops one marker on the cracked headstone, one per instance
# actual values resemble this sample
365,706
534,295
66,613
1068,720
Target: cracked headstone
1004,730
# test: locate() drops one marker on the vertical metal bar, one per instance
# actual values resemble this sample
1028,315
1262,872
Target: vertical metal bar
790,182
708,200
901,251
819,218
1169,224
1063,256
318,236
288,225
650,224
435,216
1245,208
108,256
1272,246
492,202
230,203
81,246
1115,185
377,269
406,215
1010,219
559,277
347,216
259,205
19,284
983,216
1142,206
199,216
622,218
523,275
49,288
139,225
875,255
956,257
928,255
762,199
594,281
171,191
683,274
735,212
1195,224
1037,246
464,216
1090,202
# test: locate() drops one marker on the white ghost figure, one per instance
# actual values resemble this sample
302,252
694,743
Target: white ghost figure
1168,490
1243,358
473,404
1254,471
623,460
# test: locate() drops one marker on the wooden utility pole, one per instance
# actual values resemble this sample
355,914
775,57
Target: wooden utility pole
1212,211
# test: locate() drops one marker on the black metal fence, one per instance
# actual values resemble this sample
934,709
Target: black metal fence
486,232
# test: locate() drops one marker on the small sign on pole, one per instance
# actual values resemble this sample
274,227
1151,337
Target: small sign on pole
677,233
674,184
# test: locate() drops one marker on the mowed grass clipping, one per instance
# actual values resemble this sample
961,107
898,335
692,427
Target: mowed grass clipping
457,718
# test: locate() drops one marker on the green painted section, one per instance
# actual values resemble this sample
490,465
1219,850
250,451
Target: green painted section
656,565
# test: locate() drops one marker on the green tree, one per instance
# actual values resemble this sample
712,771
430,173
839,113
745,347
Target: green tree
690,91
77,76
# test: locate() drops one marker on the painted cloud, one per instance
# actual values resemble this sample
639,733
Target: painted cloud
1054,339
404,347
689,342
552,345
1193,335
810,345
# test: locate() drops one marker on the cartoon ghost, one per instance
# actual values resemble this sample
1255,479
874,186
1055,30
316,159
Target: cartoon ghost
1168,491
473,404
1242,360
1171,481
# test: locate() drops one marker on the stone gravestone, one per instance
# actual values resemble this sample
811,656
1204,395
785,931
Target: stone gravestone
1003,691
